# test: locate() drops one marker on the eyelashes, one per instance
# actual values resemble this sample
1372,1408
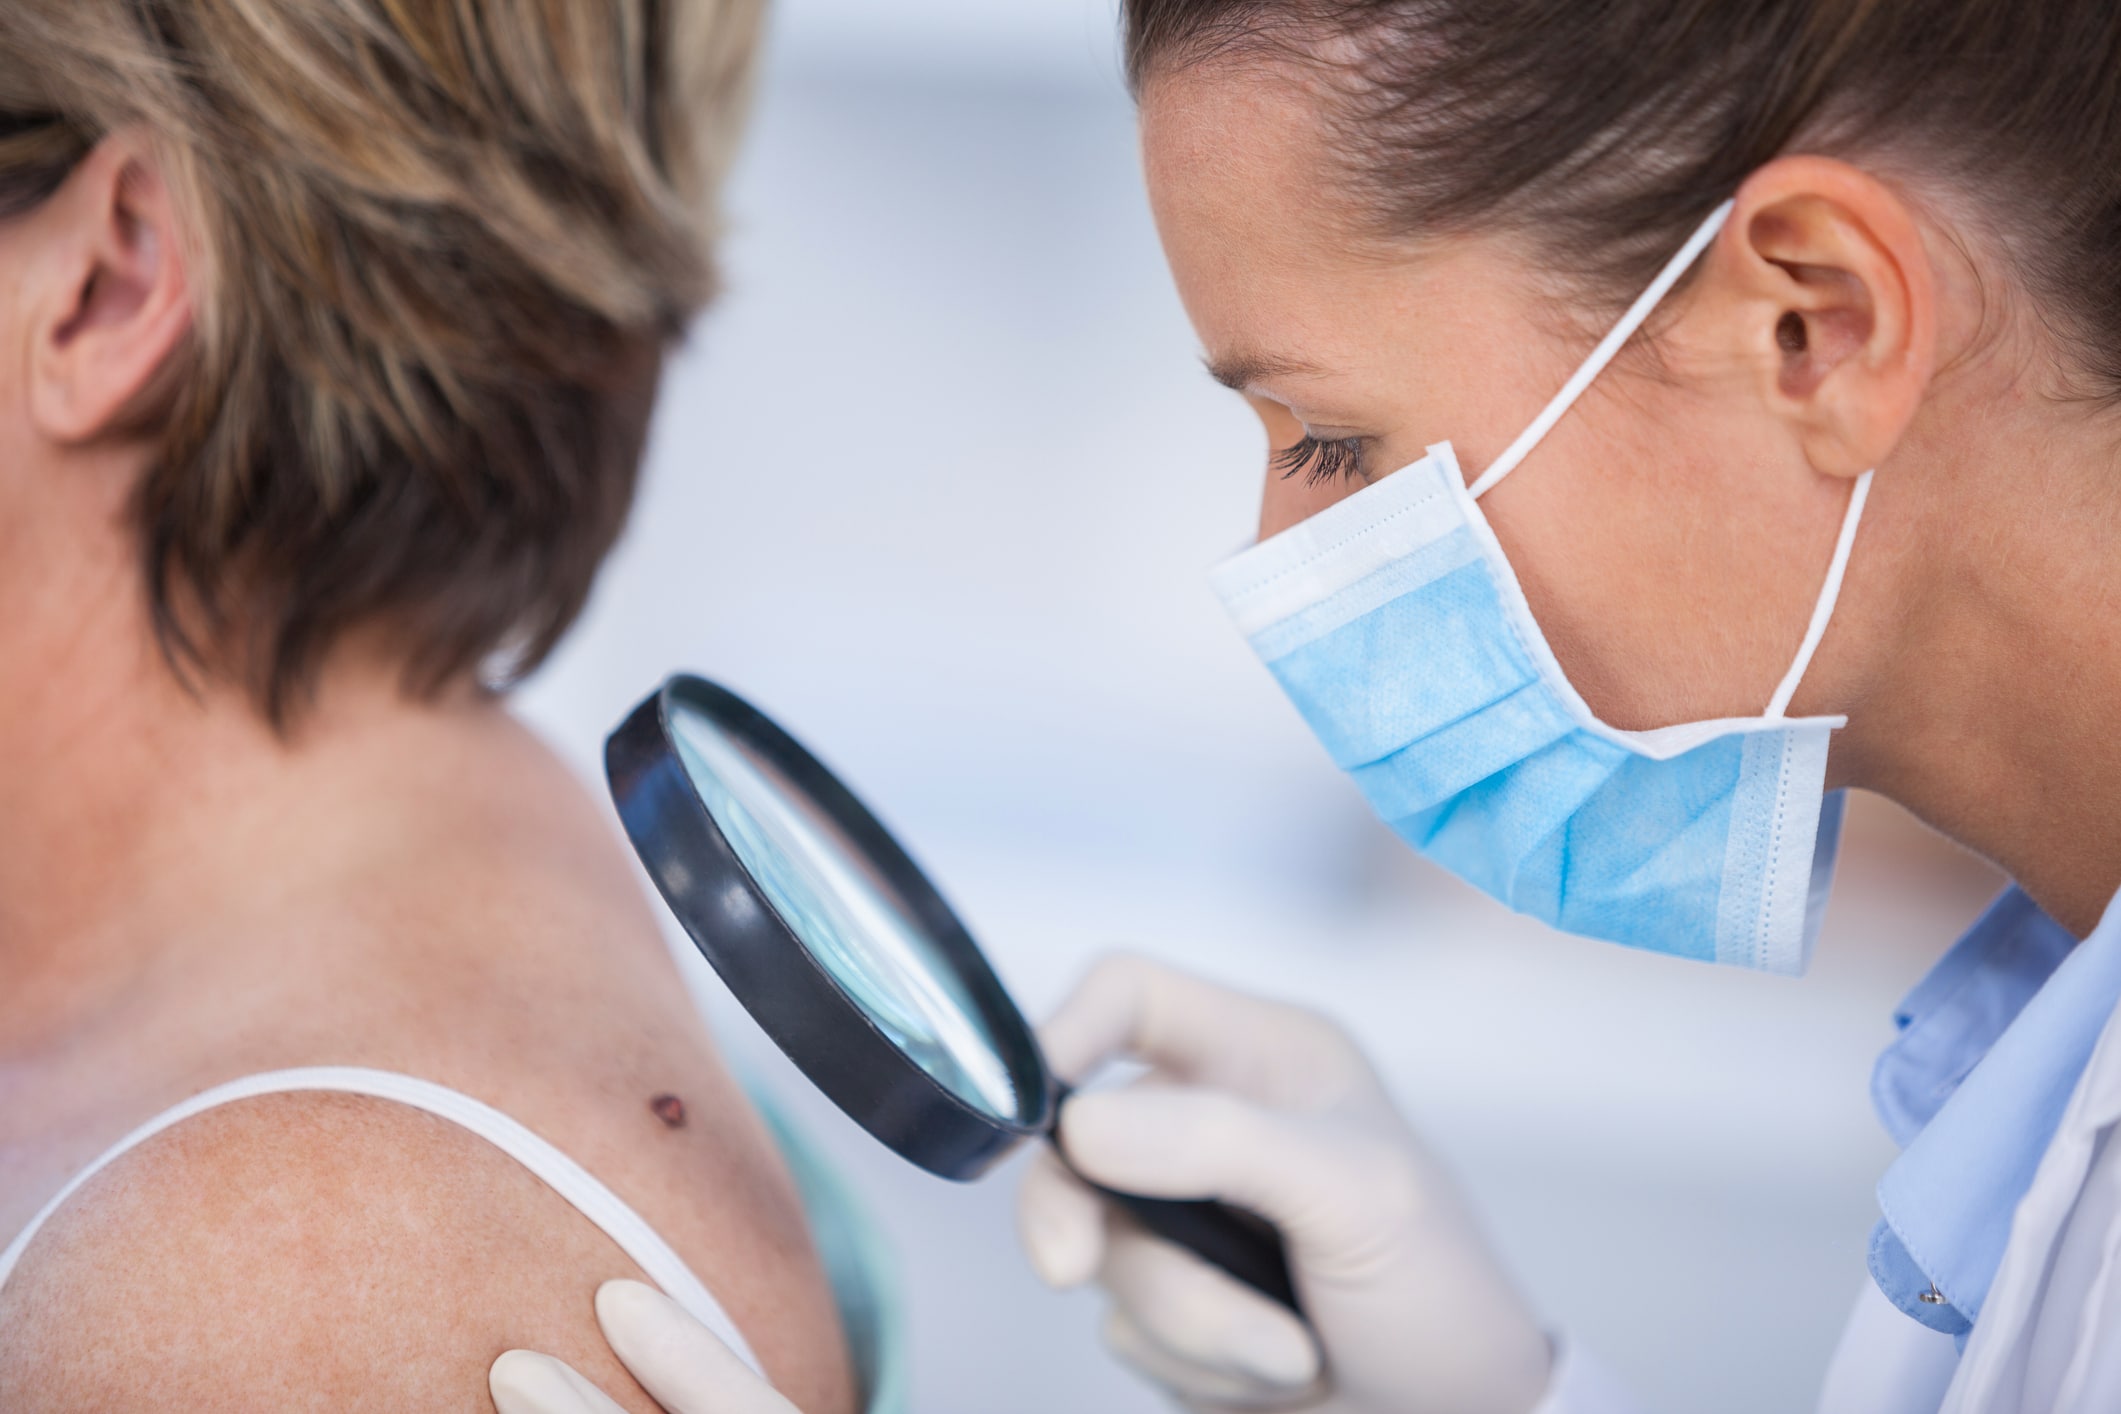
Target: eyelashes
1320,461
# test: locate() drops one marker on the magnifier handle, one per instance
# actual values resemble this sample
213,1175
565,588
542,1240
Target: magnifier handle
1242,1243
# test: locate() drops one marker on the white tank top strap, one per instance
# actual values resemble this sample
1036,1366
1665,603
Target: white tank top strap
563,1175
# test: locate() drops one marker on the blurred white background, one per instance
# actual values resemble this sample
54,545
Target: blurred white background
938,484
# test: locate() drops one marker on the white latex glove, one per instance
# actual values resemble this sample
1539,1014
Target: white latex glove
683,1365
1274,1109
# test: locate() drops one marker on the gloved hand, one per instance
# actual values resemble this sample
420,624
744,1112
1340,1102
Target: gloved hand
681,1363
1274,1109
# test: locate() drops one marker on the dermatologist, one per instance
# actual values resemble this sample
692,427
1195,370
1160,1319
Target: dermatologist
1680,411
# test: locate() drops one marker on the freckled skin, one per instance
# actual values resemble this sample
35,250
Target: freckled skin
333,1216
492,939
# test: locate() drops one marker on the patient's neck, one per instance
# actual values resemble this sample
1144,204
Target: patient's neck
142,818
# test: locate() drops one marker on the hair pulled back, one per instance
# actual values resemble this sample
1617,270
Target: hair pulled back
1604,130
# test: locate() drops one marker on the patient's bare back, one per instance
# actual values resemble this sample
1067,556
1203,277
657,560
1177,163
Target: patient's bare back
332,1251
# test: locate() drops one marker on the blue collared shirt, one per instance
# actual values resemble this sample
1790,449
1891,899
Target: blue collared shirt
1991,1045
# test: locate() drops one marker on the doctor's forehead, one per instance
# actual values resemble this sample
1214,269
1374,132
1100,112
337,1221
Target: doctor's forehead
1267,247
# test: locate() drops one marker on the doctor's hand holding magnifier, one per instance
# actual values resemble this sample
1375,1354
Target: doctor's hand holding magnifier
1275,1109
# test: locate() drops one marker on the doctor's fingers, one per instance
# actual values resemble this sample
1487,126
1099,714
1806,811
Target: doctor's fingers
1181,1321
1203,1331
1197,1388
525,1382
1196,1030
683,1365
680,1362
1334,1187
1060,1222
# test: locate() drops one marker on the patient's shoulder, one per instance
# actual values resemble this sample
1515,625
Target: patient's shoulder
303,1251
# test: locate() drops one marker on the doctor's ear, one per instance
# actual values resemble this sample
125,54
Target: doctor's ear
1836,302
107,293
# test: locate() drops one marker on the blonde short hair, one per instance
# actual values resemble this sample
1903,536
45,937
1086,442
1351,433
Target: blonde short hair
439,248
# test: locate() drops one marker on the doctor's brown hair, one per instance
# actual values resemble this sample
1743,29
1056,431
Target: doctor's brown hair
1603,131
438,248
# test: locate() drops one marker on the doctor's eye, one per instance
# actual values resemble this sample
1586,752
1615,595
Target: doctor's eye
1321,461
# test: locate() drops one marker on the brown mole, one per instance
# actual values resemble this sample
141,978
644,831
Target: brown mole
669,1109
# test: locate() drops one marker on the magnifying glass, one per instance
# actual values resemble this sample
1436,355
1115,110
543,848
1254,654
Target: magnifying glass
837,944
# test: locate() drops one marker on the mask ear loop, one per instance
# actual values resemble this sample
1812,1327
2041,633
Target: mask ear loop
1591,367
1610,345
1779,704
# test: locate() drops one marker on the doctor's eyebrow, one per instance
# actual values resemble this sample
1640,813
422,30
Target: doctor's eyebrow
1240,371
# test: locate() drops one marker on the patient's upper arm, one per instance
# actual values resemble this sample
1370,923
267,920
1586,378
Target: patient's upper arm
299,1252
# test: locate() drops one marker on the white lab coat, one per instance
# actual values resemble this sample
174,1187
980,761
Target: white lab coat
2048,1339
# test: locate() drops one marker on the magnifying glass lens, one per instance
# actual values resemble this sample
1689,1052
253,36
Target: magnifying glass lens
850,960
846,914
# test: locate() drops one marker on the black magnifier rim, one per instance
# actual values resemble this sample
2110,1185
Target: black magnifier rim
806,1011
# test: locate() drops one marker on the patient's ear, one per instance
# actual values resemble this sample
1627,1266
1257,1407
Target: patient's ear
110,299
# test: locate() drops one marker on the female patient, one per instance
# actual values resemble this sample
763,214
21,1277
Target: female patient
329,331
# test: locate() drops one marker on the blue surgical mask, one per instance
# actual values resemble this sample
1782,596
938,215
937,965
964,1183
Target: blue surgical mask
1394,621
